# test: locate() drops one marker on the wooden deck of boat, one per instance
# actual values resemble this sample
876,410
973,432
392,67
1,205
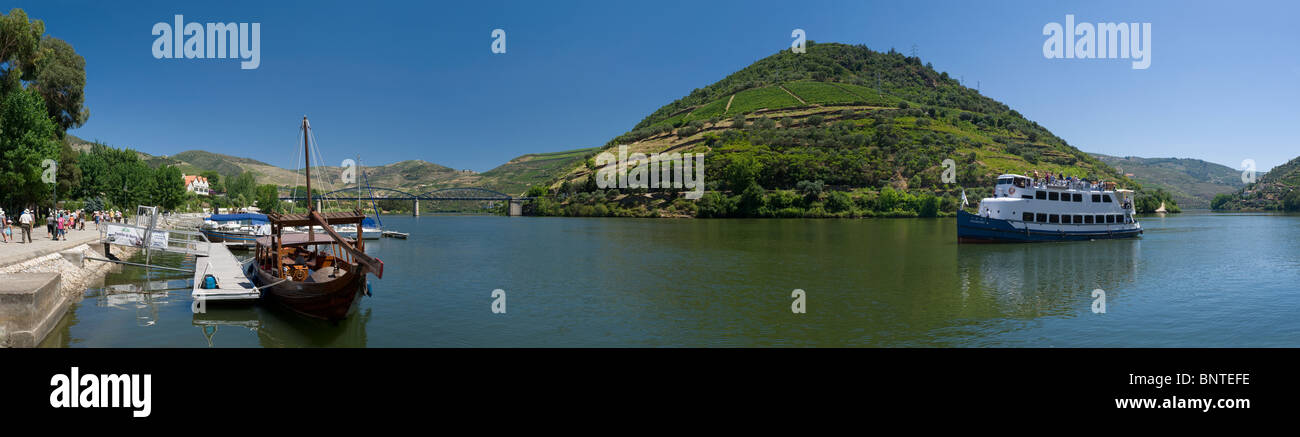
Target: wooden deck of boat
232,282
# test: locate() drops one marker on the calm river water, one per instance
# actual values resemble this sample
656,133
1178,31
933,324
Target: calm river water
1195,279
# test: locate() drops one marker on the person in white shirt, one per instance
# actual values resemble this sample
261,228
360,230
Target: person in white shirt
26,221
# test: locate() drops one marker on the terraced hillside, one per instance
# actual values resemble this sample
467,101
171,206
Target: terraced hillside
852,117
1193,183
1277,190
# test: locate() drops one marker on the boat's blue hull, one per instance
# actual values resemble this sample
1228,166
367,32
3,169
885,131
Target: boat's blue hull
219,237
975,229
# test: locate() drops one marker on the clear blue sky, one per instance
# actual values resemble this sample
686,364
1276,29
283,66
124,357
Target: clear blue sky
417,80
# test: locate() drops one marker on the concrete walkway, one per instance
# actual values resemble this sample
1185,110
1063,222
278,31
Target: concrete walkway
15,252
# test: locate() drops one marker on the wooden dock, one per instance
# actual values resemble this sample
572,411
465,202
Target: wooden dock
232,281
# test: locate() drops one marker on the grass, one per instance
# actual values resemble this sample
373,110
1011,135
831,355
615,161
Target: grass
822,93
761,98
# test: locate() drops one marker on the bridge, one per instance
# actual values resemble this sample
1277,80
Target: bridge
370,193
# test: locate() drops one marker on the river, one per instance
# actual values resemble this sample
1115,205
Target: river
1195,279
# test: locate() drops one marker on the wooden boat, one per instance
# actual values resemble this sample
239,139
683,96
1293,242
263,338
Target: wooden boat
316,274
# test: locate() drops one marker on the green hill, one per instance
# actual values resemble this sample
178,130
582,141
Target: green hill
1279,189
1192,183
414,176
853,117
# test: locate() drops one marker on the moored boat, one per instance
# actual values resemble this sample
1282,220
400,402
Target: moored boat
1026,210
317,273
235,228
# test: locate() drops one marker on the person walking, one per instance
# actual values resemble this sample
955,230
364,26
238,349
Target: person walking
60,224
49,224
26,221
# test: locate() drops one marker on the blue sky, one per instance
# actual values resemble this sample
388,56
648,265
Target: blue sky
396,80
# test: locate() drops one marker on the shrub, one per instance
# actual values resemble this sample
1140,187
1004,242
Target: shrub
838,202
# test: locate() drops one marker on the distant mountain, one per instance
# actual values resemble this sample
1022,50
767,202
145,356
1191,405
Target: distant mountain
413,176
1192,183
1279,189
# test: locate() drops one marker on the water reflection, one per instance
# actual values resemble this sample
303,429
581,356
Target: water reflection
1047,279
276,327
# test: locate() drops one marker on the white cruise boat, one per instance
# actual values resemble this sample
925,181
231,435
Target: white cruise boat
1025,210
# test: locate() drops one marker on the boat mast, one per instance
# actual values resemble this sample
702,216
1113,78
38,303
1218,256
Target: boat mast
306,133
358,182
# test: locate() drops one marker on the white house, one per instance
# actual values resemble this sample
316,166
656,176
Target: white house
196,184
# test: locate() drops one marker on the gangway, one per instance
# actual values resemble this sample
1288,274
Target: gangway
230,274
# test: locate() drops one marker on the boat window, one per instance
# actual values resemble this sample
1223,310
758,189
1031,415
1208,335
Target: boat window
1004,181
1026,196
1078,197
1020,182
1053,218
1105,198
1029,217
1040,195
1053,196
1110,218
1065,219
1096,198
1087,219
1078,219
1042,218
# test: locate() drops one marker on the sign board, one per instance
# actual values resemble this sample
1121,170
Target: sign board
126,235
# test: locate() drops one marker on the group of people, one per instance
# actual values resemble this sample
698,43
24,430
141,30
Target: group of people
1043,179
23,222
113,216
57,223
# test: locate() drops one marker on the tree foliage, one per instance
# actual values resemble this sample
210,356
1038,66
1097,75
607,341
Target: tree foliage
27,139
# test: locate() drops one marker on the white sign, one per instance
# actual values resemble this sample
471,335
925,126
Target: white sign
124,235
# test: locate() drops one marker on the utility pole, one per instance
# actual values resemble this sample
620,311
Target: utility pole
913,50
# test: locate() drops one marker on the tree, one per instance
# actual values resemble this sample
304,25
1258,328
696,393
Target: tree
752,200
741,171
69,174
838,201
811,190
1292,200
738,121
60,79
1221,200
214,180
242,186
27,138
268,198
169,187
20,40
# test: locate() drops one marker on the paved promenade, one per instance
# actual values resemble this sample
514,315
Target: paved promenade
14,252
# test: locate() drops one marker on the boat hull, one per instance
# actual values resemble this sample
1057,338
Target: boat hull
228,237
975,229
330,300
